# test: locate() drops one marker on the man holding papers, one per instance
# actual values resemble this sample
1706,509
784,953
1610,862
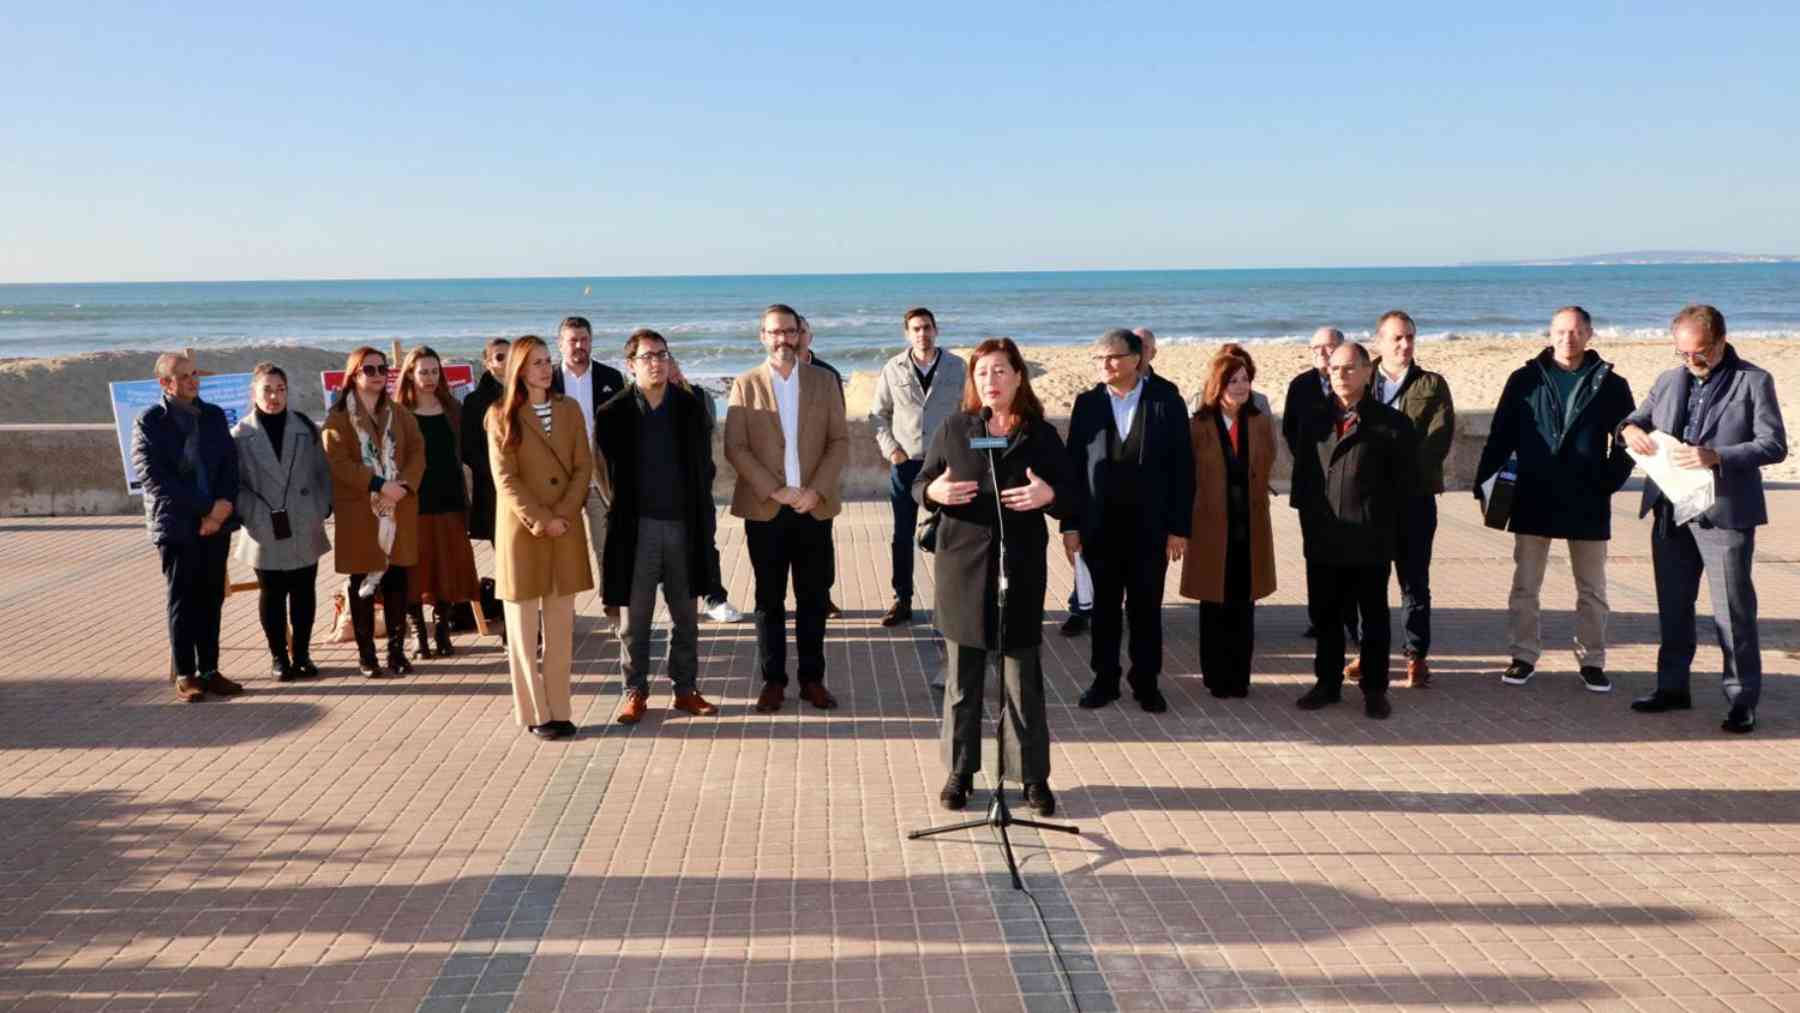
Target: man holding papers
1724,412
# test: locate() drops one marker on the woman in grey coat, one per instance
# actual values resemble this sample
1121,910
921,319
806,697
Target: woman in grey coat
283,498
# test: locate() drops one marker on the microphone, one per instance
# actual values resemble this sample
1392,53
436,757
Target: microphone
990,444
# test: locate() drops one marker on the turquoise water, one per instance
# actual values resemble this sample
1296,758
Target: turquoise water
711,321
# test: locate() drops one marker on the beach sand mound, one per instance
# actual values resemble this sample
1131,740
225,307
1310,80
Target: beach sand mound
72,388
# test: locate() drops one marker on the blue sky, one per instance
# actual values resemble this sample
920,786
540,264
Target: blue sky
399,140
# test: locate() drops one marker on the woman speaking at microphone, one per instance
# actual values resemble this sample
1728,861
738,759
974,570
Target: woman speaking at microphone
1030,478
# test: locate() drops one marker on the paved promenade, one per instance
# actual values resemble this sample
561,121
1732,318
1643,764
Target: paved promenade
346,844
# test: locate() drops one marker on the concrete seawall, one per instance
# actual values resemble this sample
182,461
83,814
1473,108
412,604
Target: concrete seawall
67,470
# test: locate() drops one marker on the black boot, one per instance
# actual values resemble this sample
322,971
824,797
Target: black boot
394,603
440,615
396,650
362,620
417,614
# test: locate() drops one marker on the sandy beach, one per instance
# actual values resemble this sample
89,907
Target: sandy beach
73,388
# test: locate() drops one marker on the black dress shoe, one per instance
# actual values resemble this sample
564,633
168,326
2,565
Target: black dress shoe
956,792
566,728
897,613
1377,706
543,731
1152,701
1663,700
1075,625
305,669
1038,797
398,664
1101,693
1319,696
1741,720
832,611
1310,634
371,668
281,670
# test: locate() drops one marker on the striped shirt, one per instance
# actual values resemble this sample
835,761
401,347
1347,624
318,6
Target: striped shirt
543,413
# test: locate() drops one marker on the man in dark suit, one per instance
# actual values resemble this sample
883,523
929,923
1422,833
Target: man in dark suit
659,441
1356,465
1307,393
182,451
1724,412
1128,440
591,384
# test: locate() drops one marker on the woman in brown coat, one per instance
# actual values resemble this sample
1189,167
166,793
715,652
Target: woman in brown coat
541,461
377,459
445,573
1230,560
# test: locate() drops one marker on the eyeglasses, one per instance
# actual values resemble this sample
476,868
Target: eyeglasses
1107,360
1696,357
370,369
782,332
650,357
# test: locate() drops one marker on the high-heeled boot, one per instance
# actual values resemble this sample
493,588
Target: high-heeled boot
440,615
420,633
362,620
394,603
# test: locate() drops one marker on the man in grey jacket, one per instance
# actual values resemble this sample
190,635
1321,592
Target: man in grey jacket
1724,412
917,390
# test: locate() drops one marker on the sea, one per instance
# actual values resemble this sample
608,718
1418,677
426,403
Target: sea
711,322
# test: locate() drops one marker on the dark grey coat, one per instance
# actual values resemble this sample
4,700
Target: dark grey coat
1742,425
305,475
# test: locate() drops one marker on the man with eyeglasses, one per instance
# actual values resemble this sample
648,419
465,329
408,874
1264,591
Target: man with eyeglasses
1357,465
788,441
1723,411
659,480
1129,441
591,384
182,451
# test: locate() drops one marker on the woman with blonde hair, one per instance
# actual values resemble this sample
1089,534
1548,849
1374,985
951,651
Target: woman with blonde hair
1230,560
445,574
541,460
377,459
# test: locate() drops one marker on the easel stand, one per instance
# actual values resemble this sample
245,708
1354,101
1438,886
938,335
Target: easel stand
999,815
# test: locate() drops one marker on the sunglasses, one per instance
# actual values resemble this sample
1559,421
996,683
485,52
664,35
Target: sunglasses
370,369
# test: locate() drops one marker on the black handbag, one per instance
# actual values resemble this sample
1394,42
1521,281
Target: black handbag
926,534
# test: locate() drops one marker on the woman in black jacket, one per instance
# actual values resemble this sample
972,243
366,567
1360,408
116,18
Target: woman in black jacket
1034,480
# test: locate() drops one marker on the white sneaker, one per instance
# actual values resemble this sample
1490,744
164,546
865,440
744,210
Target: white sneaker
724,612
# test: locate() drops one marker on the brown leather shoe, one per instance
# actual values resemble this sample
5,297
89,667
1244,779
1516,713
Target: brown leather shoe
631,709
189,690
816,694
1418,673
695,704
1353,671
770,700
218,685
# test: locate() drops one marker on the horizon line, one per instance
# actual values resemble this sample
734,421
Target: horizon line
1547,262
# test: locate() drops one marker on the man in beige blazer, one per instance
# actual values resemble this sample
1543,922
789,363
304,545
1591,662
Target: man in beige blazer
786,437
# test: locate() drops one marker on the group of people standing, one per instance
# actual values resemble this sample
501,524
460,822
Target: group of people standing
582,478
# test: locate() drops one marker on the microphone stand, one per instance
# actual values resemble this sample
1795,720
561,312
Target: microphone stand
999,816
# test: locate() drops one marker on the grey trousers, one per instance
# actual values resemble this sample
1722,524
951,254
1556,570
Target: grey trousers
1587,560
593,514
1680,556
662,558
1024,736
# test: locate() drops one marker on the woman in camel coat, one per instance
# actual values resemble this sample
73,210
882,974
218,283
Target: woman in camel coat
1230,560
377,461
541,462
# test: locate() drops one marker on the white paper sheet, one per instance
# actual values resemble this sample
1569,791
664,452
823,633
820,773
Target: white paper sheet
1690,490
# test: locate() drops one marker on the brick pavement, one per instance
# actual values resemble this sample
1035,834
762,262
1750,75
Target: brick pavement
348,845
